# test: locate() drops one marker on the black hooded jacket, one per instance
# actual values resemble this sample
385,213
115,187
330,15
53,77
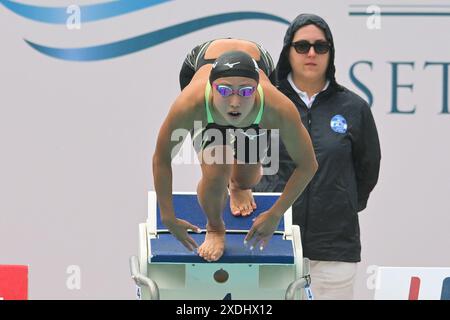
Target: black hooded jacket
345,141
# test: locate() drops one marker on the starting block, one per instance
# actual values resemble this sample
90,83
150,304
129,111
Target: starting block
165,269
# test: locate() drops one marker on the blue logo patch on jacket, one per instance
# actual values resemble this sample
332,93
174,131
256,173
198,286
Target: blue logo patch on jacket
338,124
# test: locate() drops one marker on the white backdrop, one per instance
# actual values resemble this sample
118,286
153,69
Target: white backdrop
77,137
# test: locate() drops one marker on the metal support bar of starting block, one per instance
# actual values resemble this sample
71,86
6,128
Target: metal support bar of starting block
299,283
140,279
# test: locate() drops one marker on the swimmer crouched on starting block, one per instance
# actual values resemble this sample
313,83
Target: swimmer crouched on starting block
229,92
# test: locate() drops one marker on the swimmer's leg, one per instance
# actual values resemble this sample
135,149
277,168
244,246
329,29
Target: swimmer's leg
212,195
243,178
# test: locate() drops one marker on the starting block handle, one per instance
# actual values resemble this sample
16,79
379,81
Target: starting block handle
302,282
294,286
142,280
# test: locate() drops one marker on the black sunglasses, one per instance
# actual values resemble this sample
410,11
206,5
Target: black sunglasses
304,46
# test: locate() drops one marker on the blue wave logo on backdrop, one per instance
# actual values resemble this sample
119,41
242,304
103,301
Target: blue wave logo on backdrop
95,12
401,10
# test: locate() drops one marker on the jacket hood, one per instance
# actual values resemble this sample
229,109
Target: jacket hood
284,67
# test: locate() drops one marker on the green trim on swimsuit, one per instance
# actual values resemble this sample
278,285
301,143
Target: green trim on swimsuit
261,107
207,94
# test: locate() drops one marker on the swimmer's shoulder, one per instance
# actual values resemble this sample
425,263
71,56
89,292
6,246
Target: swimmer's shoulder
277,107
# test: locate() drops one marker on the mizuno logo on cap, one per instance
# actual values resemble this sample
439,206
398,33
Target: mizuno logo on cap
231,65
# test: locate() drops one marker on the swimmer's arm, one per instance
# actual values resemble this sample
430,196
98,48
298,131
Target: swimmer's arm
180,118
299,147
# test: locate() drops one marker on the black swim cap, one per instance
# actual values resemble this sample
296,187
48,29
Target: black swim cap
234,64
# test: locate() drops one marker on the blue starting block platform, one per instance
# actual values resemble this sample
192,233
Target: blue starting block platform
165,269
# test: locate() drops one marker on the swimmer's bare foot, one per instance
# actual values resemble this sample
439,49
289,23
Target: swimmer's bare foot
241,201
214,245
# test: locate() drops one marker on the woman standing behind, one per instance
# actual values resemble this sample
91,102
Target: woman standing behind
345,140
